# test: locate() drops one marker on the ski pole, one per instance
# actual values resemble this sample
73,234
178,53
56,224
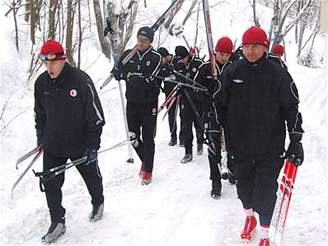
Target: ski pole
52,172
195,86
186,78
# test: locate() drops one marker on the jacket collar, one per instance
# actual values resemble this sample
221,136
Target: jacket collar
259,62
61,78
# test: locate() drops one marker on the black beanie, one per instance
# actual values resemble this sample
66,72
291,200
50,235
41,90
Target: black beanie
181,52
163,52
147,32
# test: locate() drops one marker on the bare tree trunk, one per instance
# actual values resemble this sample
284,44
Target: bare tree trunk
52,18
256,20
80,36
297,23
275,19
69,31
197,24
15,22
32,20
100,29
128,25
27,11
291,24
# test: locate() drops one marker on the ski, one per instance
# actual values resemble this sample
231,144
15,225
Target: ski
176,30
172,13
27,155
168,99
280,211
38,153
169,107
207,19
154,27
176,111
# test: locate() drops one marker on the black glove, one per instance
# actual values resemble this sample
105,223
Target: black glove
92,156
295,151
117,74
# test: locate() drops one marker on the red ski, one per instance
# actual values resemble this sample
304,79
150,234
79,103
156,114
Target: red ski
284,195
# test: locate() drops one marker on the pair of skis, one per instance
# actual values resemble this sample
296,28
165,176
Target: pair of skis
281,208
48,174
37,151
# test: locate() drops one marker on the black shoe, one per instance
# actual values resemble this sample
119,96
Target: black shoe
186,158
54,232
216,189
232,179
173,142
96,213
199,149
181,144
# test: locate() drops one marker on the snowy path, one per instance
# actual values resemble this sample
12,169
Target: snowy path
175,209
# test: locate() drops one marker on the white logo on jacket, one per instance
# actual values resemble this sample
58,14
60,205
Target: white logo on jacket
154,111
73,93
238,81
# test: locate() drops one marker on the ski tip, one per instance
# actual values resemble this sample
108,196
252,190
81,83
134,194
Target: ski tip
130,161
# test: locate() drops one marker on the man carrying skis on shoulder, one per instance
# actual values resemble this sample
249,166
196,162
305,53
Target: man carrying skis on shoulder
211,117
142,90
188,66
69,120
258,99
166,72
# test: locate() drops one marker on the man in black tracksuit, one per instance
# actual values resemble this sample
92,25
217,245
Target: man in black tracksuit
188,66
211,117
142,90
258,99
69,120
166,71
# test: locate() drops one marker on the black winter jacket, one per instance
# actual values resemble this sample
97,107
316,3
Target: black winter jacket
141,87
204,77
257,99
68,113
190,70
166,72
277,60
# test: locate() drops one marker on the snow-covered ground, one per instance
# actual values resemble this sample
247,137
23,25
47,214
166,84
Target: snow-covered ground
176,208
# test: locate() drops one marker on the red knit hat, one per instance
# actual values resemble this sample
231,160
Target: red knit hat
225,45
278,49
255,35
53,48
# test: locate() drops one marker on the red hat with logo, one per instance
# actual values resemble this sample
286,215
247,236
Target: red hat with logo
52,50
255,35
225,45
278,49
